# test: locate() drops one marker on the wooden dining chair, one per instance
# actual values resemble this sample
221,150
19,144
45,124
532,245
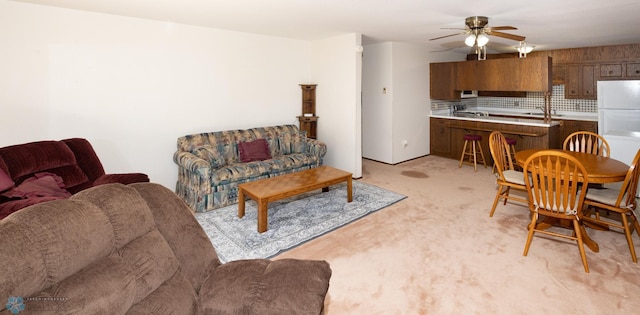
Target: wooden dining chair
557,190
508,177
587,142
621,201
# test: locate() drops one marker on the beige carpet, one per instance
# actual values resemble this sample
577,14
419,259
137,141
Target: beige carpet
438,252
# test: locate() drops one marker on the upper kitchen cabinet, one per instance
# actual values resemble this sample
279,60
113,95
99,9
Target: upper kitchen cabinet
504,76
619,70
467,75
633,70
442,78
580,81
499,75
559,73
507,74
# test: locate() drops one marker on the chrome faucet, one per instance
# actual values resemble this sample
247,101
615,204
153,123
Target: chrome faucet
540,108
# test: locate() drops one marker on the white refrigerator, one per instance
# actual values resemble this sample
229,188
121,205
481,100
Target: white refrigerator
619,117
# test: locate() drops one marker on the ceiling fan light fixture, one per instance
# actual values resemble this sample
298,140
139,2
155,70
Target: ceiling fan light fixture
482,40
523,49
470,40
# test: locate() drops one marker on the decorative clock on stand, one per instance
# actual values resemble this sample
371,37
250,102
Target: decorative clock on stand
308,120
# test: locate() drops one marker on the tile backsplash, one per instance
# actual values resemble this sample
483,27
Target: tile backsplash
533,100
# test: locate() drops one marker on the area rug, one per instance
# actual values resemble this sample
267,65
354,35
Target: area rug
292,221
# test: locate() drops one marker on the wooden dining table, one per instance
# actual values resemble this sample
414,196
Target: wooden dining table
600,170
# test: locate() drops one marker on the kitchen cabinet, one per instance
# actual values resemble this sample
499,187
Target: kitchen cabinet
611,71
580,81
502,93
467,75
568,127
619,70
442,78
440,136
559,73
505,74
633,70
499,75
447,136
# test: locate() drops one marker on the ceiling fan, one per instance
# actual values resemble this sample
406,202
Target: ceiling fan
477,30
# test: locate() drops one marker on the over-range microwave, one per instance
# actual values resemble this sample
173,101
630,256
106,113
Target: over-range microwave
468,94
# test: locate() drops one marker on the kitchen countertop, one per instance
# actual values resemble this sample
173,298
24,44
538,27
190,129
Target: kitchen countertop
496,115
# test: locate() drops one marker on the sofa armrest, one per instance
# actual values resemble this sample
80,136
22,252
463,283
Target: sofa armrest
192,164
316,147
125,178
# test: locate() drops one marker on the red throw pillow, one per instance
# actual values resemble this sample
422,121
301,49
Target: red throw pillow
45,186
257,150
5,181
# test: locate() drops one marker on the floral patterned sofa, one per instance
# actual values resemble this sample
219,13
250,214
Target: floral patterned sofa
212,165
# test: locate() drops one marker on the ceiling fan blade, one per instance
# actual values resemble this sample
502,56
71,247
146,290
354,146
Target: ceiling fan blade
507,36
500,28
447,36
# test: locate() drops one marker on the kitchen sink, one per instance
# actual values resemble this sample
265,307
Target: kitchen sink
470,114
539,114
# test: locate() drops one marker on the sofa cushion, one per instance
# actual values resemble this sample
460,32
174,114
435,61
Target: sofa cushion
24,160
241,172
174,296
13,205
5,181
123,178
49,245
257,150
104,287
292,161
211,155
286,286
292,143
152,262
183,233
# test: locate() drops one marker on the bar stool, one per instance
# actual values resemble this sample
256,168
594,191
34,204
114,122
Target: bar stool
469,150
511,142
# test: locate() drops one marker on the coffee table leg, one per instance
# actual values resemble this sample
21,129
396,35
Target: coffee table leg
262,216
240,203
349,190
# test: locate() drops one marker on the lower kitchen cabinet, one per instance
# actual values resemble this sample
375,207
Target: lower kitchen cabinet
447,136
568,127
440,137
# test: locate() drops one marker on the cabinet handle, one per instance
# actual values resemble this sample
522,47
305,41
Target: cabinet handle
610,72
637,71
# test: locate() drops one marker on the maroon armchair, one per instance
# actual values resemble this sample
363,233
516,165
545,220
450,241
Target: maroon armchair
71,164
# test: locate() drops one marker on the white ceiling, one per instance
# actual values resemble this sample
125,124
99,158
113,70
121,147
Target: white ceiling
547,24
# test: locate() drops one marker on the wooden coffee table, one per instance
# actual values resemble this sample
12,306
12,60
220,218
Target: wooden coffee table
271,189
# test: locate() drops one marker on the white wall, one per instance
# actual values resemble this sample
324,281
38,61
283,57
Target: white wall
377,107
411,105
336,68
403,113
133,86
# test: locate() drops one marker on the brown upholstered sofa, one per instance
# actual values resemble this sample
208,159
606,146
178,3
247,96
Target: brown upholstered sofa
137,249
72,160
